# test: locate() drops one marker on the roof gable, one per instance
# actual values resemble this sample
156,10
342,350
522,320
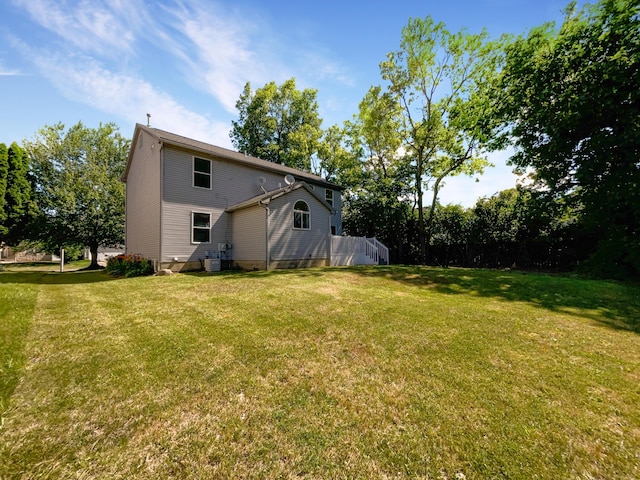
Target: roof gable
224,154
267,197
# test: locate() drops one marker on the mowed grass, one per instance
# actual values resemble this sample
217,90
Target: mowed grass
388,372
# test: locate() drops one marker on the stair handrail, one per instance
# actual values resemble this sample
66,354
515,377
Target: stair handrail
383,251
372,251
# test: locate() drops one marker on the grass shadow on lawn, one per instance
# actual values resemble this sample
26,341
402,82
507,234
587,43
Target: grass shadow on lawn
57,278
207,388
612,303
228,274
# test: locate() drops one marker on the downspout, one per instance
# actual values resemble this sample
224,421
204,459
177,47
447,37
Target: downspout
333,212
161,202
266,233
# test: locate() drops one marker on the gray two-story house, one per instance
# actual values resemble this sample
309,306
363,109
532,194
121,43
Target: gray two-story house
187,200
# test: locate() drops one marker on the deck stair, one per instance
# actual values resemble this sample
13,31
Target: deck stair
358,251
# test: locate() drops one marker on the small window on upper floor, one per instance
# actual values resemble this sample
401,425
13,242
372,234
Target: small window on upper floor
301,216
201,172
328,196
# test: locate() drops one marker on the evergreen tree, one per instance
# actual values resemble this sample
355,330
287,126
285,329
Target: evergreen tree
4,173
19,206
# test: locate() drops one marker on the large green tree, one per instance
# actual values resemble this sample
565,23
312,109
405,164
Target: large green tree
280,124
375,131
451,235
573,110
515,227
80,195
335,160
378,204
443,83
17,207
4,173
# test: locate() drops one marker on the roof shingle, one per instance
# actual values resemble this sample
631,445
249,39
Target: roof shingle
233,156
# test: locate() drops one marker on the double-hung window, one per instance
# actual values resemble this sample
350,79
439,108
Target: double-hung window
201,172
328,196
200,227
301,216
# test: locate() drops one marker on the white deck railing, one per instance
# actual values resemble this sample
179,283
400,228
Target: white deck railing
383,251
357,251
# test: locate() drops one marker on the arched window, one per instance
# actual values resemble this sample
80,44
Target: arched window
301,216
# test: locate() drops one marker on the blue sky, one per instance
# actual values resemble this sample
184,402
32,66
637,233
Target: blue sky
186,61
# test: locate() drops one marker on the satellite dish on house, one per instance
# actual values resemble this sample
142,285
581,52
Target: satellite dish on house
289,179
260,181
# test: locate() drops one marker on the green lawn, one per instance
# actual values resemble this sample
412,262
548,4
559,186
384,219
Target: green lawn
388,372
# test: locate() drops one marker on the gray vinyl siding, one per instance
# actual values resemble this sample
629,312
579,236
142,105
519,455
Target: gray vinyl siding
287,243
161,198
142,225
249,238
231,184
180,200
336,220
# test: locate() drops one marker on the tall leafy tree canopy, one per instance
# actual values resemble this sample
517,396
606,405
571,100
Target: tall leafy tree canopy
335,160
280,124
80,195
375,132
442,82
573,107
377,204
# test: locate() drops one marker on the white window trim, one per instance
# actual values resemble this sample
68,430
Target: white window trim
328,191
308,213
193,173
193,227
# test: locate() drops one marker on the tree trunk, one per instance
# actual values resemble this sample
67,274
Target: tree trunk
93,249
436,189
421,230
429,225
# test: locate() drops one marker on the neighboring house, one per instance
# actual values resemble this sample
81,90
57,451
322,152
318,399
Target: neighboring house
104,253
187,201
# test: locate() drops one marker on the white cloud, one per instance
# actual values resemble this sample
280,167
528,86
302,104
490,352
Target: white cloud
128,97
221,49
108,28
4,72
216,50
318,67
216,47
